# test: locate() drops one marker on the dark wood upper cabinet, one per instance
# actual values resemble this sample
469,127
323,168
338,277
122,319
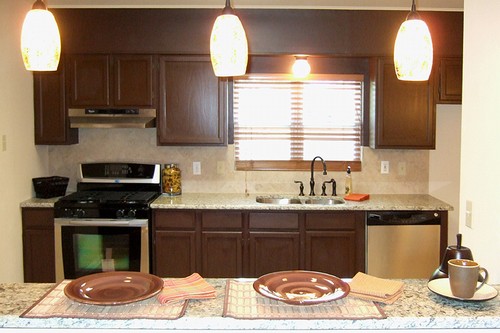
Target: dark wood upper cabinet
107,81
51,117
449,87
192,108
402,113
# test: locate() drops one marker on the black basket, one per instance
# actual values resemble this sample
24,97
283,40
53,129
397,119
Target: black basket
50,187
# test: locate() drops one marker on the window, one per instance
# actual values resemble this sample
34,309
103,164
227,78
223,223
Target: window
280,124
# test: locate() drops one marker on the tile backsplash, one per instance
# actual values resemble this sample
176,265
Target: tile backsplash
409,169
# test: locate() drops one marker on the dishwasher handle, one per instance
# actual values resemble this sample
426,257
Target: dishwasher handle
403,218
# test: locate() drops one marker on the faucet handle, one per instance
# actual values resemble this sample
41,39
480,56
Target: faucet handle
334,187
301,187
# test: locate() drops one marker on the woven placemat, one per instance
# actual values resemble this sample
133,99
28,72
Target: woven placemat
243,302
56,304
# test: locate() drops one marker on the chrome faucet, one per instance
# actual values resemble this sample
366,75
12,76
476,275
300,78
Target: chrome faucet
311,182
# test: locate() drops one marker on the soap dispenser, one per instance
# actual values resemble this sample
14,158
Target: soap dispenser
348,181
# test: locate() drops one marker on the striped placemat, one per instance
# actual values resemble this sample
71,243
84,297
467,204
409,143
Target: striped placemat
243,302
56,304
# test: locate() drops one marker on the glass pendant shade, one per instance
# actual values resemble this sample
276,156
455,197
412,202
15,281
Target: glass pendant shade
413,51
40,40
301,68
228,45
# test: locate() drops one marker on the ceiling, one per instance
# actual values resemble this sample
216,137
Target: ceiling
438,5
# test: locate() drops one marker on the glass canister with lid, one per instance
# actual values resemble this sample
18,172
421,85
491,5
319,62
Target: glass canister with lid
171,179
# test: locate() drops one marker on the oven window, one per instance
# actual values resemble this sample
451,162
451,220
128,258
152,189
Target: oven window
89,249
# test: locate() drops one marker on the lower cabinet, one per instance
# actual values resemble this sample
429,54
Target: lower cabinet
38,245
335,243
218,243
274,243
174,243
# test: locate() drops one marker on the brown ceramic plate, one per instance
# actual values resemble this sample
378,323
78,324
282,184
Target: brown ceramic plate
301,287
113,288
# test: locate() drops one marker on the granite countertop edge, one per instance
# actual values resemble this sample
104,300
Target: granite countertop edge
418,308
236,201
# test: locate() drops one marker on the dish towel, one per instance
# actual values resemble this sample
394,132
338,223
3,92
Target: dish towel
375,289
191,287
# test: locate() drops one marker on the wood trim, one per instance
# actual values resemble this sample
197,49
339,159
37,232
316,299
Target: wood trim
295,165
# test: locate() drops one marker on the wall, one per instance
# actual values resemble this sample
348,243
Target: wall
21,160
139,145
480,179
444,164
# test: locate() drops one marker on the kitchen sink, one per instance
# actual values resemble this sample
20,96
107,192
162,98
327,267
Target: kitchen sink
306,200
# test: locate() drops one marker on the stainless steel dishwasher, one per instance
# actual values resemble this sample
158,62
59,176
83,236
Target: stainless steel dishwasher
403,244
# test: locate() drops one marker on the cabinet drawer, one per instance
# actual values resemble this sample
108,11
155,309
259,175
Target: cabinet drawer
38,218
329,221
221,220
174,219
273,221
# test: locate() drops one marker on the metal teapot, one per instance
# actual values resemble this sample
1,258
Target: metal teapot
452,252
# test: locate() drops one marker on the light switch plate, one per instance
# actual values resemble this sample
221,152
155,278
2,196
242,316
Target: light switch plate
384,167
468,213
196,168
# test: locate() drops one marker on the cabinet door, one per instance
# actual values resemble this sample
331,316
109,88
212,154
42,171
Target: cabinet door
222,254
89,83
273,251
175,253
38,245
192,103
404,116
133,81
51,118
335,243
450,81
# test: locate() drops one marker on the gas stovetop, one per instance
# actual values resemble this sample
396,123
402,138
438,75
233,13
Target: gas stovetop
112,191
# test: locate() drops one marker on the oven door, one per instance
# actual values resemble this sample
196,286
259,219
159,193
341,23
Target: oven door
86,246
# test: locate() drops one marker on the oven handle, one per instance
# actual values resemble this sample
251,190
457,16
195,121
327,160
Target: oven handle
101,222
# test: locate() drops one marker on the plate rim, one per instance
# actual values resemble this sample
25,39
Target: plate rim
343,285
431,287
158,286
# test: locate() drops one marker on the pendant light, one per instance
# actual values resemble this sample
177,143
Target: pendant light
228,44
301,68
40,40
413,49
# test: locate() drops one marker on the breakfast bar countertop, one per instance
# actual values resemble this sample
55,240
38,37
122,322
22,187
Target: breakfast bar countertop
418,308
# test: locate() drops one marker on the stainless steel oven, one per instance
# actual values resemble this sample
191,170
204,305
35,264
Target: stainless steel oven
104,225
90,246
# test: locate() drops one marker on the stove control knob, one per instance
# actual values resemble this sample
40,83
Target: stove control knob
131,213
68,212
80,213
120,213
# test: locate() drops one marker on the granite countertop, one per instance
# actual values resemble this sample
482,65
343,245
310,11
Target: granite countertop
418,308
244,201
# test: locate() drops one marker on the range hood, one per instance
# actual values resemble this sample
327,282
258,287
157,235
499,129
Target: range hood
112,118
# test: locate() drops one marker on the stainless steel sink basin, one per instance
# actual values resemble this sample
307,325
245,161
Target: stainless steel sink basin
282,200
324,201
278,201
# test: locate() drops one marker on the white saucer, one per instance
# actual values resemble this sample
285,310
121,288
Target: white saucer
442,287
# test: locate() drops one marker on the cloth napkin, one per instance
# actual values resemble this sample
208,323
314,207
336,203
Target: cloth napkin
376,289
191,287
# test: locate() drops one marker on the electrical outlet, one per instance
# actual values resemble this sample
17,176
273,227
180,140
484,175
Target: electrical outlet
468,213
196,168
4,142
384,167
